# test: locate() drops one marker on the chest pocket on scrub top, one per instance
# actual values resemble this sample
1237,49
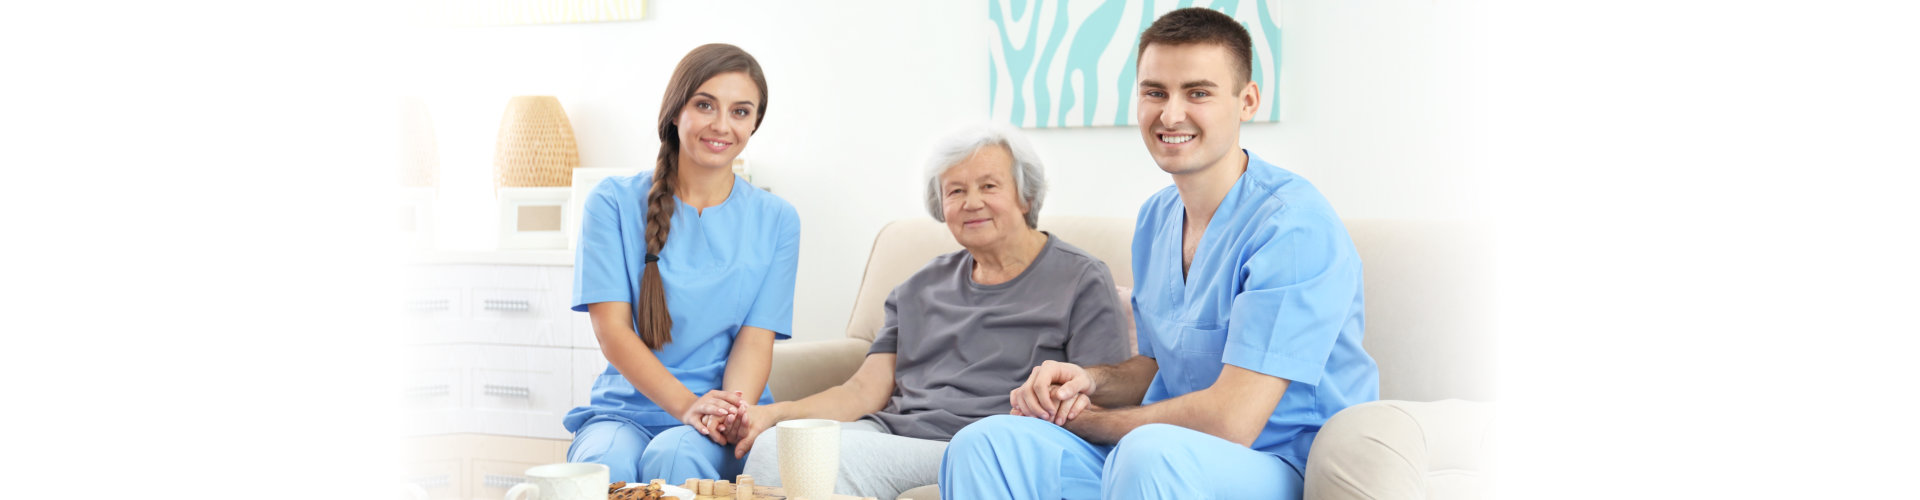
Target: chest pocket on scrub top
746,279
1197,356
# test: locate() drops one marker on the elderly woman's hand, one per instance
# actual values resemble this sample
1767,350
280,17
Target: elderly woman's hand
1069,411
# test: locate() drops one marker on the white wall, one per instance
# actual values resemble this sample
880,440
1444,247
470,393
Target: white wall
1371,93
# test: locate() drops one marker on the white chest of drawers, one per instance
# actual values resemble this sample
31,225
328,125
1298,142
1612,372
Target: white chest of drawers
497,359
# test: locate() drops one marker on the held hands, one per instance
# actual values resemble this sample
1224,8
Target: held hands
755,420
713,413
1056,392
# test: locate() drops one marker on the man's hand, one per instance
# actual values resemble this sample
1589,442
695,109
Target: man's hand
755,420
1051,391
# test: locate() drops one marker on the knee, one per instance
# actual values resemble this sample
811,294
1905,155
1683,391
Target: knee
1155,448
982,436
679,454
1157,436
611,444
671,443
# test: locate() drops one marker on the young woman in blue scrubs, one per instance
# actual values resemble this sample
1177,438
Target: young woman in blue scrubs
688,275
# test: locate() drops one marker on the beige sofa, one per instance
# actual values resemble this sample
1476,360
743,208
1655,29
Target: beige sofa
1426,286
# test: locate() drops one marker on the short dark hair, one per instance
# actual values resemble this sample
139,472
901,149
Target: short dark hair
1199,25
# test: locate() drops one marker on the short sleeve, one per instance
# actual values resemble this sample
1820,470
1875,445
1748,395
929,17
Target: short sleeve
1144,227
600,272
1139,324
1095,330
773,306
1299,292
888,340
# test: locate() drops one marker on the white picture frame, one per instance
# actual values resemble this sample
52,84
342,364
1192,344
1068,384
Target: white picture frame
534,218
416,206
584,179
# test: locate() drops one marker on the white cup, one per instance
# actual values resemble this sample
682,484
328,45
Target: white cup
571,481
809,458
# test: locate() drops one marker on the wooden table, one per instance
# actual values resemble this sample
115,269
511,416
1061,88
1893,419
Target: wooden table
767,493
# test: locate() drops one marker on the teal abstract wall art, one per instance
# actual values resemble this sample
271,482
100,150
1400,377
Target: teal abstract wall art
1069,63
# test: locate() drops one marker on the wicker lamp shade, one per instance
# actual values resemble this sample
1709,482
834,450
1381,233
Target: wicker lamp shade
535,147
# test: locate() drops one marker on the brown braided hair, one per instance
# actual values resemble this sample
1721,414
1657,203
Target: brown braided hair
655,325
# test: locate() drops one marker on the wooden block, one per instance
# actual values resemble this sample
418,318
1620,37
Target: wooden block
706,487
743,490
692,485
722,488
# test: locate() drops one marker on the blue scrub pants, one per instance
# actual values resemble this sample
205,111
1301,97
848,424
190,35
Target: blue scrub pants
617,444
1005,456
681,453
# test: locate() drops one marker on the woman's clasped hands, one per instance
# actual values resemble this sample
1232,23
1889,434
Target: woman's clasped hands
714,412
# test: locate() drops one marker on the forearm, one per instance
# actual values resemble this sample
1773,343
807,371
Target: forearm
645,371
1191,411
865,392
1124,384
749,363
1235,408
844,402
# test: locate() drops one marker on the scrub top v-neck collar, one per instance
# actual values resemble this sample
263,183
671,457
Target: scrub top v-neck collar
1179,226
700,213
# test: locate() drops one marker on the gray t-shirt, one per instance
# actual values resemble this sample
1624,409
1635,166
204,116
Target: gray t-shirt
962,346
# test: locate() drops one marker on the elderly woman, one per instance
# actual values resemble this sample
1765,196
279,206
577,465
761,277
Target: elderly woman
961,333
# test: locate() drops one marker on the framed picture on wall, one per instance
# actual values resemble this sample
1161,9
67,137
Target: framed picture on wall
1071,63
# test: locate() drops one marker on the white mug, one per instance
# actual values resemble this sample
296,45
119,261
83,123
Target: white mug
809,458
570,481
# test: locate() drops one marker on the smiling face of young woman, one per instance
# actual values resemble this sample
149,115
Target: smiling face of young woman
717,120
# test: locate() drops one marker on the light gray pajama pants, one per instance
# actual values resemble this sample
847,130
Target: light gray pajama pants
873,463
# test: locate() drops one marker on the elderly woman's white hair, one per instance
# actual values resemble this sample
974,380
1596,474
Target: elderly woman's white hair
1029,177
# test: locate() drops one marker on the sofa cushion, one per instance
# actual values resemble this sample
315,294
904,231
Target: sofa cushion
1428,284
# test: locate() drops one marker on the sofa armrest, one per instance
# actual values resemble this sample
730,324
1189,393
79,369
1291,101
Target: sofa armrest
802,368
1401,449
928,492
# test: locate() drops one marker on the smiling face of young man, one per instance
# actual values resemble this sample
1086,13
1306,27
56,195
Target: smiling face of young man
716,122
1191,104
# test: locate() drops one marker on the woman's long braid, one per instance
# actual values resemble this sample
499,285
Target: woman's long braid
655,323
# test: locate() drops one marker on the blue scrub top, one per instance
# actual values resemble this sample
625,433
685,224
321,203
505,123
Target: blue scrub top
1274,288
728,267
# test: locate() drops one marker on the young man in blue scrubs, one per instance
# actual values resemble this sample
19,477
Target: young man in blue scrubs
1247,300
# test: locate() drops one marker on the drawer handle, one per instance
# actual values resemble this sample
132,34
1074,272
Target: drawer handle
429,391
499,481
423,305
506,305
507,391
440,481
